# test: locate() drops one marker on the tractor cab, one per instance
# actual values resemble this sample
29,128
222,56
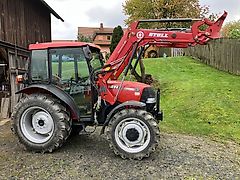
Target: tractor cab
66,66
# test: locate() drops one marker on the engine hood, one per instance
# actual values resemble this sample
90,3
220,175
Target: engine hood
129,90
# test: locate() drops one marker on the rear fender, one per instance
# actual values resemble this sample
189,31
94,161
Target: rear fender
57,93
134,104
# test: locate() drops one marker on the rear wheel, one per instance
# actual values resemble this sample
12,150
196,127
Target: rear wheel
133,134
41,123
152,54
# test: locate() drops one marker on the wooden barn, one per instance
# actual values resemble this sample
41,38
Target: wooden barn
22,22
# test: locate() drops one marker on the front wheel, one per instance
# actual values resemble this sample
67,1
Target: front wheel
133,134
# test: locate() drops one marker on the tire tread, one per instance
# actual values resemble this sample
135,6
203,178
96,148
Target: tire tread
152,122
62,118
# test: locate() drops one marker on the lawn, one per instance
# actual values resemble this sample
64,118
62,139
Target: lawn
68,71
197,99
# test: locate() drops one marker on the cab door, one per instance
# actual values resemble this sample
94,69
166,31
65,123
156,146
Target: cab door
70,72
81,91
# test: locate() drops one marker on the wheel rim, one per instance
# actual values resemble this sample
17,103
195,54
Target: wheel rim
132,135
37,125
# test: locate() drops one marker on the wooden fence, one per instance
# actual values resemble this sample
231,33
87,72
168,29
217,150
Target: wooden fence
177,52
223,54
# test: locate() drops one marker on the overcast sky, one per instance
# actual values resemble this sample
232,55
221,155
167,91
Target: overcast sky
91,13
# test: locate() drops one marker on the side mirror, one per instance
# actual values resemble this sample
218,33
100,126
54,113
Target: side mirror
102,58
87,53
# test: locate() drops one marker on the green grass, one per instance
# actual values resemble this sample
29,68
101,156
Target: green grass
196,98
68,71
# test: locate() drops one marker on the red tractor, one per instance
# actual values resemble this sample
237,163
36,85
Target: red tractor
69,87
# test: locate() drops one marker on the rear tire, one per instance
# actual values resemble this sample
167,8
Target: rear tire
41,123
133,134
152,54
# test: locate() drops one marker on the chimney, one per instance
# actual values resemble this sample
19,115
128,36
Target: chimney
101,26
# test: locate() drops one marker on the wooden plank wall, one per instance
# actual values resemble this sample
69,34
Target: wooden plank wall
23,22
223,54
17,62
17,66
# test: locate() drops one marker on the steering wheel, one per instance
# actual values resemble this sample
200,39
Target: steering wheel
72,82
83,79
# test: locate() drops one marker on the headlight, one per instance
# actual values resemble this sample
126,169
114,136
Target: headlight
151,100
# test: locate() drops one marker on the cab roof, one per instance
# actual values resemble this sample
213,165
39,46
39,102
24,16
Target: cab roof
49,45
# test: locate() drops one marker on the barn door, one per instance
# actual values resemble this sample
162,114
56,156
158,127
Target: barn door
17,66
4,87
3,67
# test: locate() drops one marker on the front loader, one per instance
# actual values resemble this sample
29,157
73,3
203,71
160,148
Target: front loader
69,87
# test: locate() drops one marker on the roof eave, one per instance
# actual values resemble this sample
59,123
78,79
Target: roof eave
52,11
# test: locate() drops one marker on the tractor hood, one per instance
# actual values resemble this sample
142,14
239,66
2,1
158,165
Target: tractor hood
132,91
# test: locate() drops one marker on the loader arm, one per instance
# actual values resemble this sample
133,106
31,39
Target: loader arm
134,38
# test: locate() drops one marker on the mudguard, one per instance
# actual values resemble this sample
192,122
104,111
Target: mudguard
56,92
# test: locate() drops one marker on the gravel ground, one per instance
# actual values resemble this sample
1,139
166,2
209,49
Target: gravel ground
88,157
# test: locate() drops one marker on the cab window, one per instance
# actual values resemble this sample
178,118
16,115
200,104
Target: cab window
68,64
39,65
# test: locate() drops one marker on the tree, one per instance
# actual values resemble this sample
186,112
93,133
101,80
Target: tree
116,37
232,30
83,38
156,9
235,34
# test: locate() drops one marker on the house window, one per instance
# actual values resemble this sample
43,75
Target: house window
108,38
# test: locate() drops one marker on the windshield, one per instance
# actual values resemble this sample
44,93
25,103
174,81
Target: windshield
68,64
